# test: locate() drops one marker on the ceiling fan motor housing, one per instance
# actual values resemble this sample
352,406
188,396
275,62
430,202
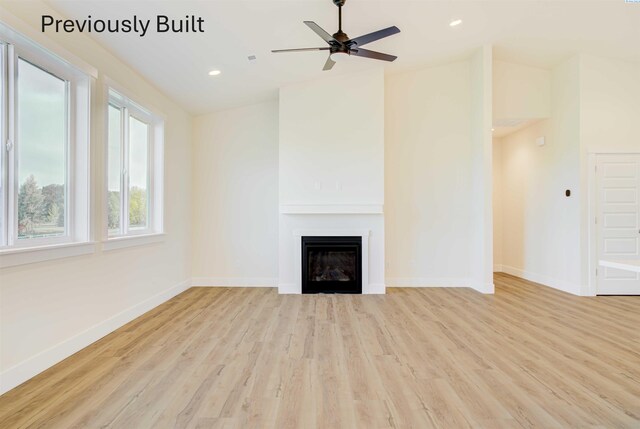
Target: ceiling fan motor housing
339,3
341,37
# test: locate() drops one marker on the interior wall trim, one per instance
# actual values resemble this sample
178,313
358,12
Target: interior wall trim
331,209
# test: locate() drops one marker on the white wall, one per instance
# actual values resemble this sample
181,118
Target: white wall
520,92
50,310
609,104
497,204
331,159
332,140
430,165
438,181
540,225
481,237
428,161
235,184
521,95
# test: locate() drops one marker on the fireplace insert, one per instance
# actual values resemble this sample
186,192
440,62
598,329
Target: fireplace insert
332,265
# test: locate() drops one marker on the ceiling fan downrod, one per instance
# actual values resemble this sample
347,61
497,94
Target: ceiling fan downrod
339,35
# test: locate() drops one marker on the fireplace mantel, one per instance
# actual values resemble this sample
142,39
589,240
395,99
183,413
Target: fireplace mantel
331,209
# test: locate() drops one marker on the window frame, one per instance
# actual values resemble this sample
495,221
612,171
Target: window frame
4,138
13,238
129,108
16,47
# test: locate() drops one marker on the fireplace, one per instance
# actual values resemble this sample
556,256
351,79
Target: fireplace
332,265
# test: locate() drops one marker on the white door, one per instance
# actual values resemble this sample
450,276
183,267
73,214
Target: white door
618,221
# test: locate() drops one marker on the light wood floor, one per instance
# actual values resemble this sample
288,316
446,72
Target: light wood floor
528,356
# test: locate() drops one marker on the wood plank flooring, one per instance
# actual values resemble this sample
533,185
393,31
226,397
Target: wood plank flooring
526,357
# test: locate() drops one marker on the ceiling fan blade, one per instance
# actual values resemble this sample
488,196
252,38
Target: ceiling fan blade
372,54
329,64
320,32
376,35
300,49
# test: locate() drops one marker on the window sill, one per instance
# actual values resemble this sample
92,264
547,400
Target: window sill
28,255
132,240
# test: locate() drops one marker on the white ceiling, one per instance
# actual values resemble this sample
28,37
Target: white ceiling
539,33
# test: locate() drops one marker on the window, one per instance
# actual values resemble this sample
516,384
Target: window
134,169
41,98
44,125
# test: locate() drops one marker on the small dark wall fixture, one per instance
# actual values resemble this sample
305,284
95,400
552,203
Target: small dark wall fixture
332,265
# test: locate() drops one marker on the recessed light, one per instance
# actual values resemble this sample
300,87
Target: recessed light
214,72
455,22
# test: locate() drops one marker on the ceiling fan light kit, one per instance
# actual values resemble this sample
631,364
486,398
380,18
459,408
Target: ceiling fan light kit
341,45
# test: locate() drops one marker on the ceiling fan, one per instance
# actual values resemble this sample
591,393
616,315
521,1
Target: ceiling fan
340,44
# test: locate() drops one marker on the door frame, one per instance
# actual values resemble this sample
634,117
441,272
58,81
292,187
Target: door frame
592,210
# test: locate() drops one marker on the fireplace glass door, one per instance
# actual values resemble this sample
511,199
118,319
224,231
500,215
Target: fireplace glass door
332,265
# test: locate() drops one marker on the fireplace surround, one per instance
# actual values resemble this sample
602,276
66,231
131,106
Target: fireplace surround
369,227
331,264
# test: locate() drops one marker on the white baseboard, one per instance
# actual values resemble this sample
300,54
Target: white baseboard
427,282
497,268
376,289
292,289
288,288
234,281
561,285
486,288
439,282
31,367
